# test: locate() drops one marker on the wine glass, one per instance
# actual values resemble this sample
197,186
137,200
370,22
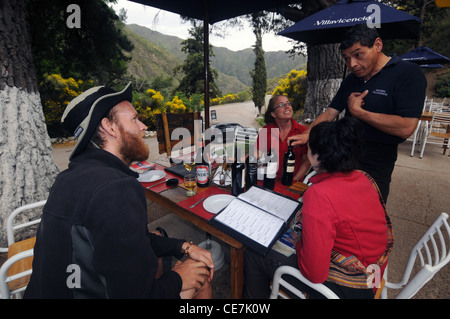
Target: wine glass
189,162
189,183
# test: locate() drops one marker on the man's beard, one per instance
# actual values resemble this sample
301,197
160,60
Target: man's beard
133,147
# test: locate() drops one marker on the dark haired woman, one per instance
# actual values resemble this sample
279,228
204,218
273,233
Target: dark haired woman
279,127
346,233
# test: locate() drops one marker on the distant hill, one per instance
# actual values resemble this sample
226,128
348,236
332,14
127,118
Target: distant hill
148,60
161,53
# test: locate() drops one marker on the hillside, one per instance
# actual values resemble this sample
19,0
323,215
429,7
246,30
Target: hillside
148,59
156,53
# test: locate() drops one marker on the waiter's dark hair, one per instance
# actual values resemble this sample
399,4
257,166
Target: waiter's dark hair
359,33
339,144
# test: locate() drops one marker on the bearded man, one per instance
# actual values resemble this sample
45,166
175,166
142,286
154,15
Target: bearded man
93,240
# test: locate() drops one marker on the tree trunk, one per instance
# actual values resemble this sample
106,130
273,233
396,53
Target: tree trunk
325,71
27,168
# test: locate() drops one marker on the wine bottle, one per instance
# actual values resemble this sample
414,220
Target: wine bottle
271,170
251,171
237,174
202,168
288,166
261,167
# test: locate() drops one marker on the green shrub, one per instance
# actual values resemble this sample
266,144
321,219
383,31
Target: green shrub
442,86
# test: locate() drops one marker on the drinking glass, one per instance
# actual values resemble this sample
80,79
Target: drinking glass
189,162
189,183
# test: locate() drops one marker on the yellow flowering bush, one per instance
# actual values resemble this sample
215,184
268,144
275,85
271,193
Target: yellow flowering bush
176,105
56,93
152,102
229,98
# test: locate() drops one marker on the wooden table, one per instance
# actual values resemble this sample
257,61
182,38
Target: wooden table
169,199
427,116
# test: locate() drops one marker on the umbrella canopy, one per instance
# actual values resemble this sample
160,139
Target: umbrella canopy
212,11
424,56
215,10
330,24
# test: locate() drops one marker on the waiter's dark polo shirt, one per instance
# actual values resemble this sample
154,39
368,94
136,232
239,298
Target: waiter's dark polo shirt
397,89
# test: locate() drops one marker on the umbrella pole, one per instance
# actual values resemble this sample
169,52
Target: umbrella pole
206,61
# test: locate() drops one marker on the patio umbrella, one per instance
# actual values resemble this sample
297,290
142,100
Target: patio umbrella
330,24
212,11
424,56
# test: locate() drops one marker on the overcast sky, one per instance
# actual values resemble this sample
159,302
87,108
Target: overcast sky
170,24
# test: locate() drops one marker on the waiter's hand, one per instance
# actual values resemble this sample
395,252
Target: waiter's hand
299,139
356,102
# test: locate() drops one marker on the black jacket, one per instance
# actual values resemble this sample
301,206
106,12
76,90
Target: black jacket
93,240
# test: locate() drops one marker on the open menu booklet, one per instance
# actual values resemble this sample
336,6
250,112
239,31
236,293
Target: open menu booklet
257,218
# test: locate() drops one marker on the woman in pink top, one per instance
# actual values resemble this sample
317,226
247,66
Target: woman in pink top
346,234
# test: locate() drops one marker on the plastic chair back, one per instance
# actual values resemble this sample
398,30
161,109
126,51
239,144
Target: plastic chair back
291,271
8,286
11,227
433,253
438,132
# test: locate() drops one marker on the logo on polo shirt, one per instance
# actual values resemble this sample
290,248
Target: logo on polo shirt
380,92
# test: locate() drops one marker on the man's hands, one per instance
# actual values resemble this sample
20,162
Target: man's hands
329,115
356,102
196,270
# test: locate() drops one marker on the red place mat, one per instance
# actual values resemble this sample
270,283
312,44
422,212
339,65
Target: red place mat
162,187
198,209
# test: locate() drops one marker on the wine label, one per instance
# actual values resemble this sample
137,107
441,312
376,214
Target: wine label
290,166
271,170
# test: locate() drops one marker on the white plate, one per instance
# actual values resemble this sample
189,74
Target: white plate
151,176
215,203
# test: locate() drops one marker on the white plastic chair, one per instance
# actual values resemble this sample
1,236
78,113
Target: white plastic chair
18,252
5,280
432,244
438,132
417,136
307,182
418,132
291,271
11,226
308,176
435,106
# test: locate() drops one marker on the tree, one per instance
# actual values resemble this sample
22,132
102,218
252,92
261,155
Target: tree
193,80
325,71
93,50
259,73
27,168
325,66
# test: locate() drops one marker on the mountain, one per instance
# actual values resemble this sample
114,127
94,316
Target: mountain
161,53
148,60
